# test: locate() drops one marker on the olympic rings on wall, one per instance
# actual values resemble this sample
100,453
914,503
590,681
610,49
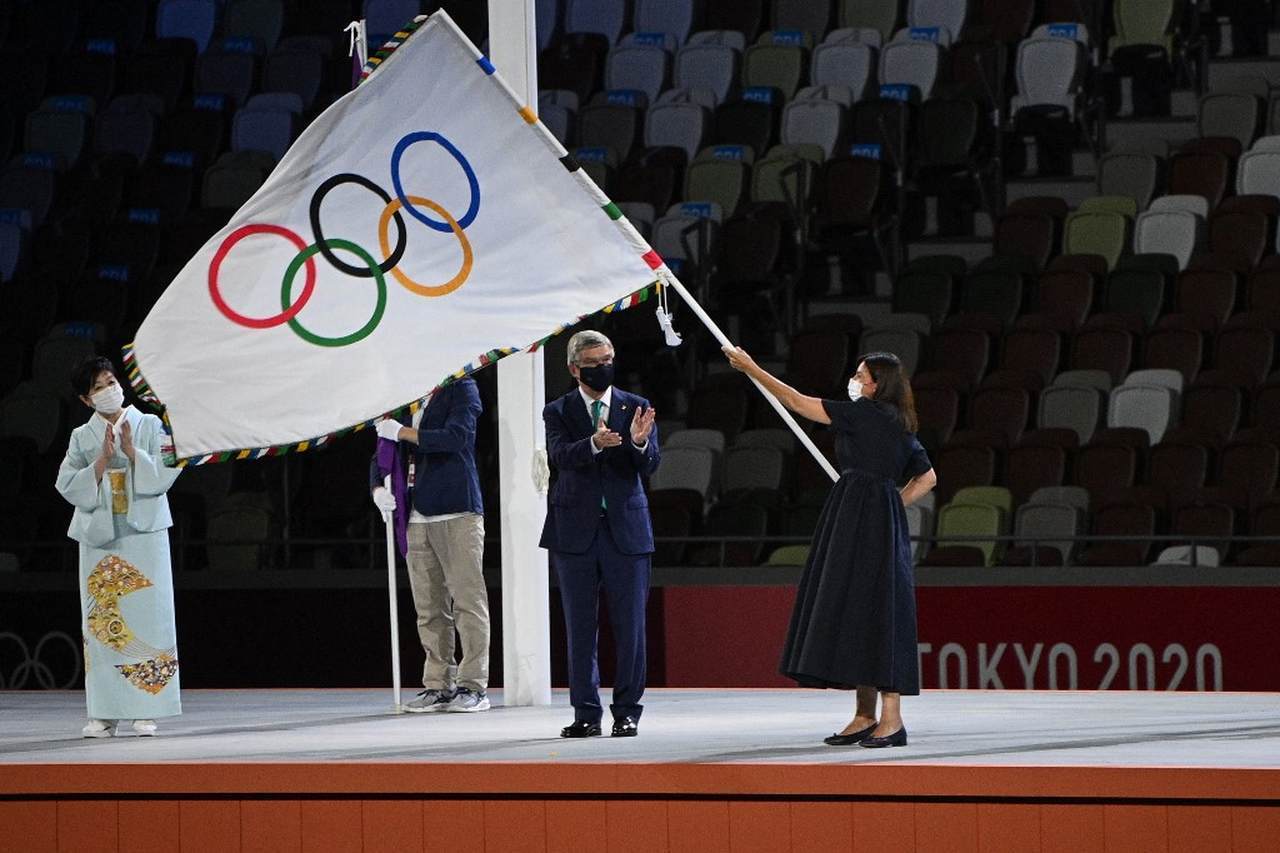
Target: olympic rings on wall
369,266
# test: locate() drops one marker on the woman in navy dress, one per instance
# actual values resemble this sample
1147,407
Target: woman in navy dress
854,624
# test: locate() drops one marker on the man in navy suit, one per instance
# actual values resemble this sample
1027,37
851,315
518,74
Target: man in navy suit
431,484
601,441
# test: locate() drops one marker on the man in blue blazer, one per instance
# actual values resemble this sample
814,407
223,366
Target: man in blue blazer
430,483
600,442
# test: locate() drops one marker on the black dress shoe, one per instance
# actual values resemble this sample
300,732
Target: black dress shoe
851,738
581,728
898,738
625,727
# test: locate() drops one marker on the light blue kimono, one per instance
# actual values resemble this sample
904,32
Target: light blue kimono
126,579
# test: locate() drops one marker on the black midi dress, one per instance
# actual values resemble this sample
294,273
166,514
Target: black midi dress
854,621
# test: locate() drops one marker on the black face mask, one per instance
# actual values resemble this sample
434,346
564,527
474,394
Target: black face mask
597,378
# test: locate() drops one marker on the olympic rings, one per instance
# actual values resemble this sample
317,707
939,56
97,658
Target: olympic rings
373,268
402,241
408,283
290,311
286,286
427,136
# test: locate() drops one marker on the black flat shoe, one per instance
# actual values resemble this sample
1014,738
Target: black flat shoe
625,727
851,738
581,728
898,738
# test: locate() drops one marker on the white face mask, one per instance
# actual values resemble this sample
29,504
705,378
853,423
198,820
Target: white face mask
855,389
109,400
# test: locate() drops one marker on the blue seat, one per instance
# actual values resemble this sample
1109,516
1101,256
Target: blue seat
13,245
260,20
263,126
672,17
226,73
128,126
195,20
297,71
383,18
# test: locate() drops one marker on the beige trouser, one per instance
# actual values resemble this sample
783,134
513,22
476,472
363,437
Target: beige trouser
446,576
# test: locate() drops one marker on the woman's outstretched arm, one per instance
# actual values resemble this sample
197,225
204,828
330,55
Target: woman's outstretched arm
803,405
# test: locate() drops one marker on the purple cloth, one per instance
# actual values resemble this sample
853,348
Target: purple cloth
392,461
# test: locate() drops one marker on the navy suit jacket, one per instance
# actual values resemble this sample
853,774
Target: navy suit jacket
583,478
445,475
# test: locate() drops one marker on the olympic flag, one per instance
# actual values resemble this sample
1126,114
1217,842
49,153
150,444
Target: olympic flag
423,226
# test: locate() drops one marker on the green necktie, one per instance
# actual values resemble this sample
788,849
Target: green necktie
597,406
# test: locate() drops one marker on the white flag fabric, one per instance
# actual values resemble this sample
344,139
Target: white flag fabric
421,227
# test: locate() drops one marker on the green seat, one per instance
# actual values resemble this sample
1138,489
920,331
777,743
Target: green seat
972,519
879,15
721,181
783,178
1140,22
1123,204
1100,233
789,555
995,294
54,129
804,150
996,496
1136,292
777,66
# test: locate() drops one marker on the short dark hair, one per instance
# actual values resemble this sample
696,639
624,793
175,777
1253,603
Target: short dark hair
893,388
87,370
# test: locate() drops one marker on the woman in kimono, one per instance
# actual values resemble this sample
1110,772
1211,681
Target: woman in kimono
854,623
114,476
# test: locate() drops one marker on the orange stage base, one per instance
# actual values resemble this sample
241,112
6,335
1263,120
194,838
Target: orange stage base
401,807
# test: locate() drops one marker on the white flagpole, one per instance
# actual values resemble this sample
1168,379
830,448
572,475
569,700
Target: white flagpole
393,606
674,283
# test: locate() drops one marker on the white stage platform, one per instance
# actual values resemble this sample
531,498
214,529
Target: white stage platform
1075,729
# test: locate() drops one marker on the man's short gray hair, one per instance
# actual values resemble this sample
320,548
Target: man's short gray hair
586,339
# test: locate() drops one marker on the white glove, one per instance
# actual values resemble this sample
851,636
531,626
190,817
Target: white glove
388,428
384,500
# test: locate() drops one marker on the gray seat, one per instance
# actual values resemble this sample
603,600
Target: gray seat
1097,379
920,529
782,439
1049,72
1178,233
906,344
677,125
850,63
1258,173
1232,115
950,15
814,121
1050,525
639,67
709,66
1171,379
687,467
1197,204
1071,407
1072,496
712,439
1131,174
604,17
754,468
675,237
34,412
911,63
673,17
869,36
1153,408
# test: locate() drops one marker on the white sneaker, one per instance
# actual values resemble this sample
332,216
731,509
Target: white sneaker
144,728
99,728
429,701
468,701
